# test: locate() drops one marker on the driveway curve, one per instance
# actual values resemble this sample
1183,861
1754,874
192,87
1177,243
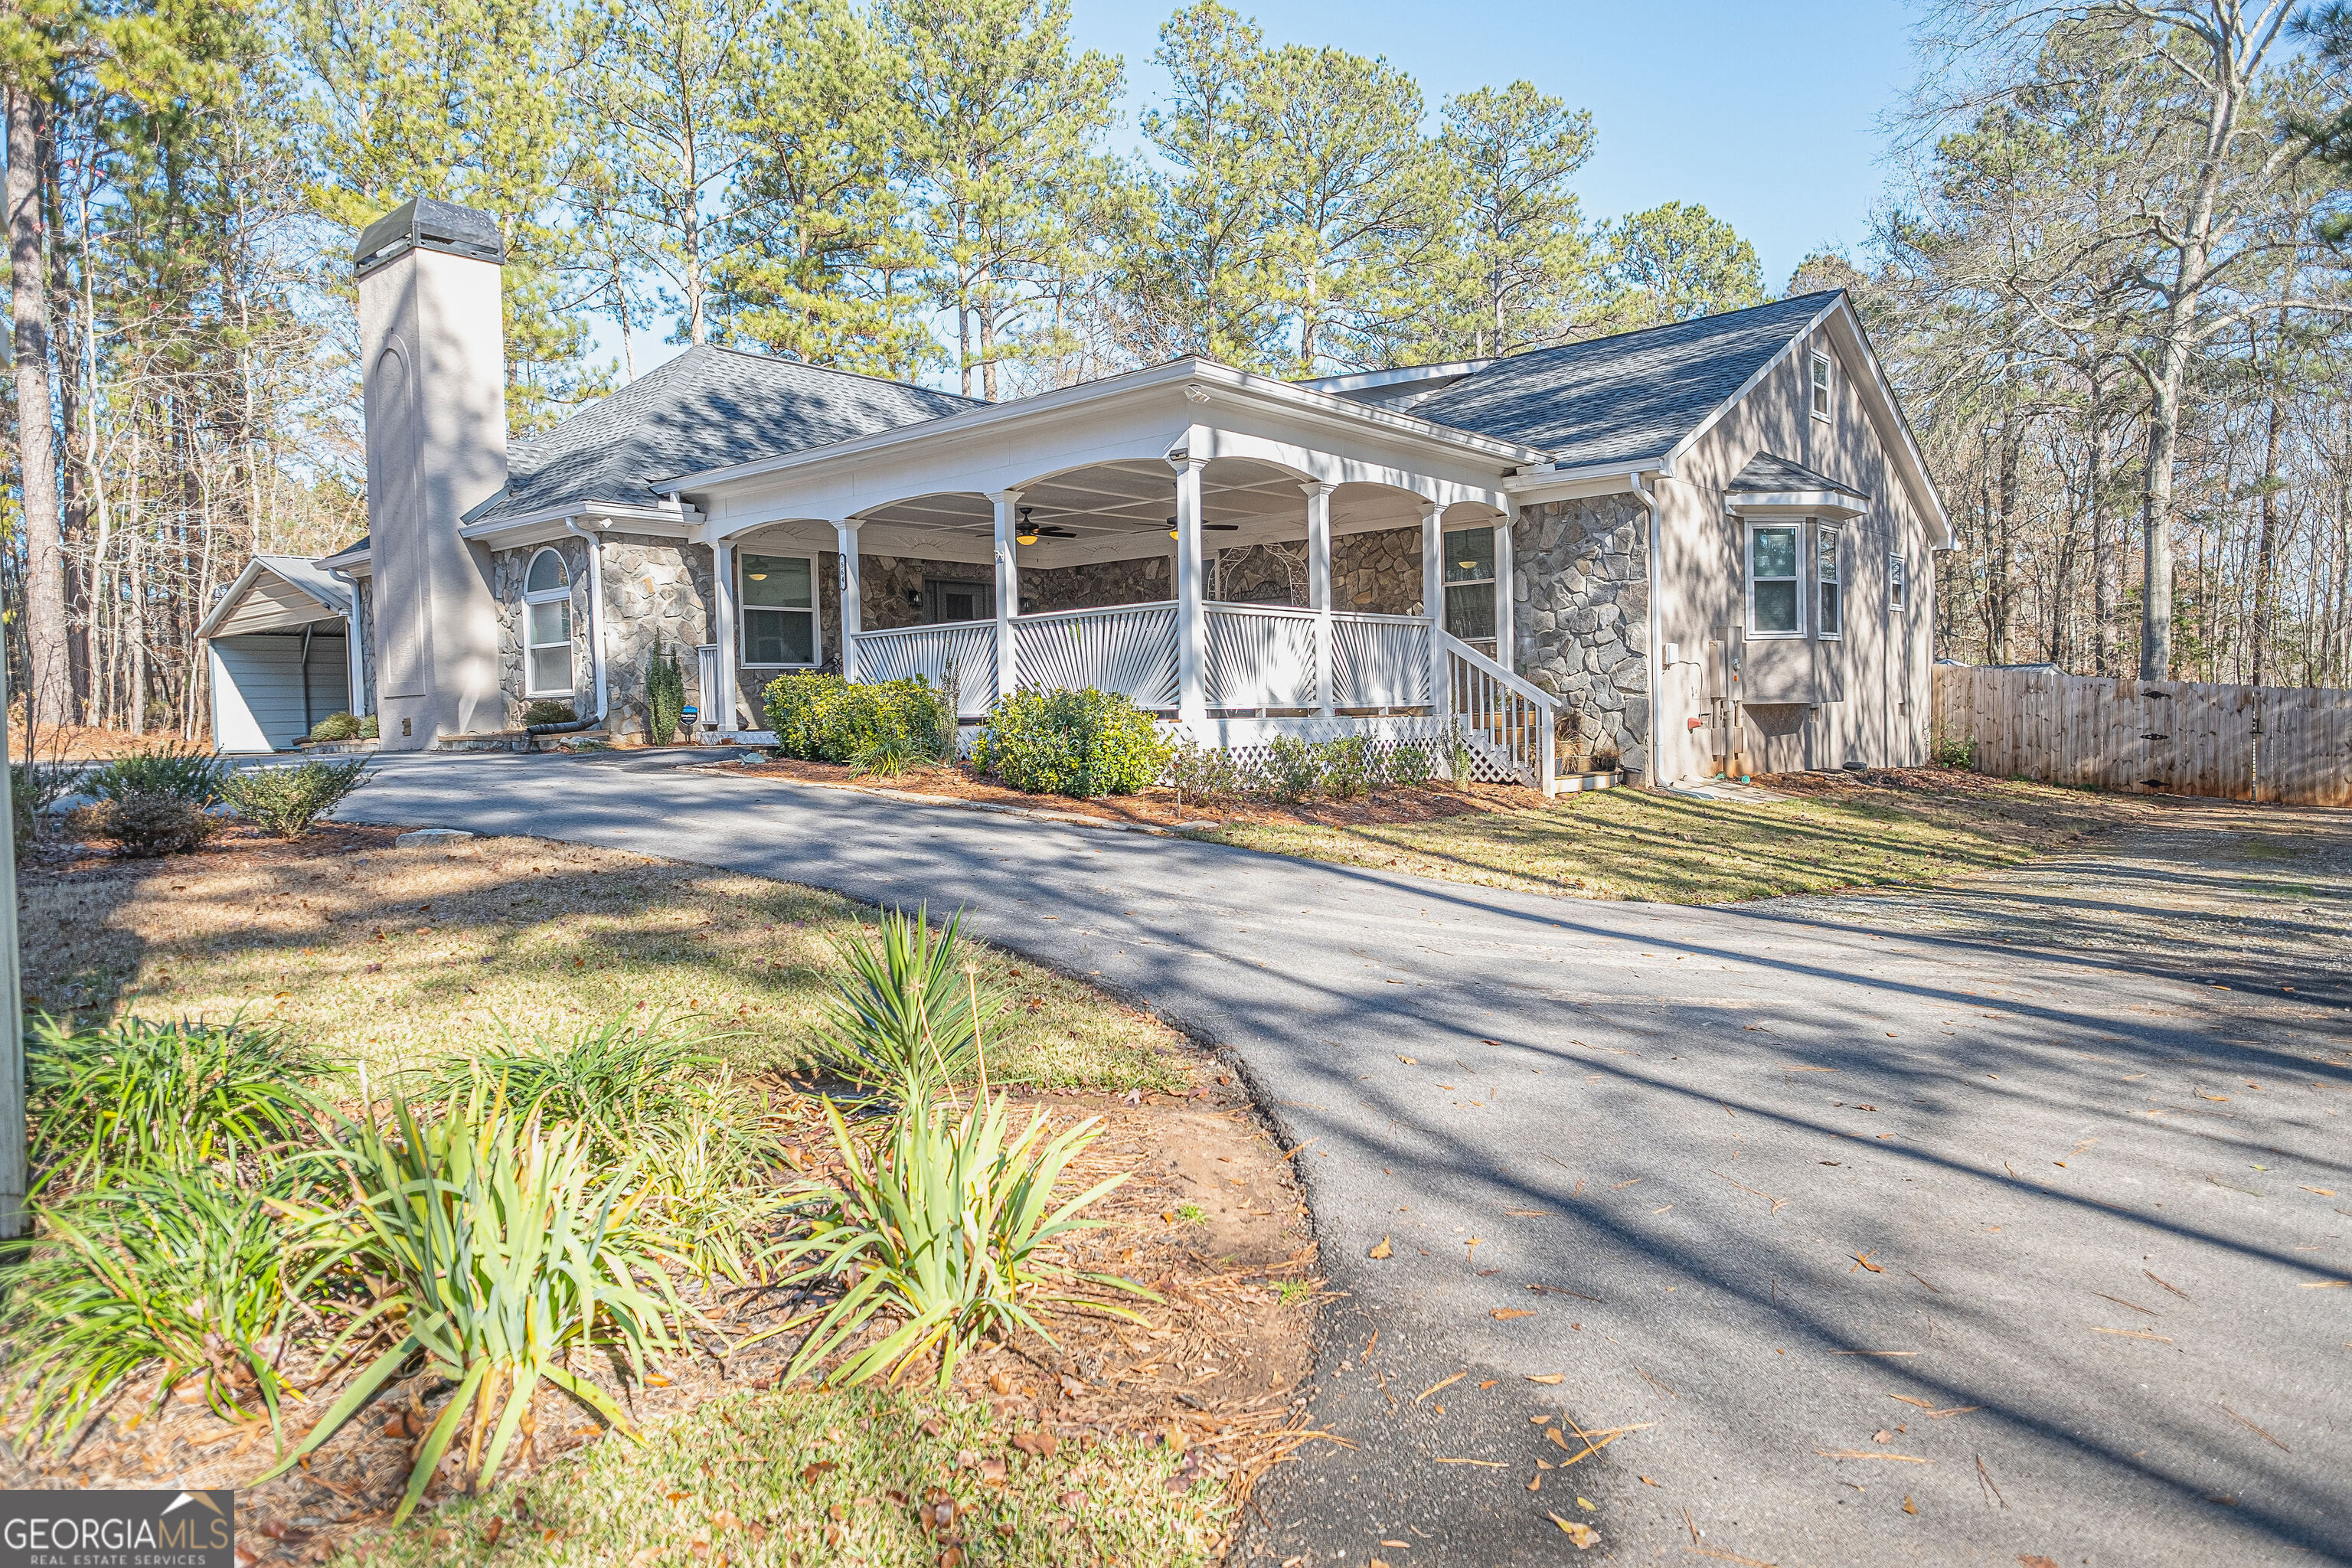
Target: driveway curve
1846,1240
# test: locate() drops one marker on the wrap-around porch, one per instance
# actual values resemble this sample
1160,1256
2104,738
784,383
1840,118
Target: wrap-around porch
1237,597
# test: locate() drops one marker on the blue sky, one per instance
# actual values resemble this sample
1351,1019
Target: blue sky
1766,115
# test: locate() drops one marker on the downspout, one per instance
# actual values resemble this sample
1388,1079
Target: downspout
595,637
1650,621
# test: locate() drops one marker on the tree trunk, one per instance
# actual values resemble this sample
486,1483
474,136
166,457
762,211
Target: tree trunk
2258,622
49,690
2104,576
2156,513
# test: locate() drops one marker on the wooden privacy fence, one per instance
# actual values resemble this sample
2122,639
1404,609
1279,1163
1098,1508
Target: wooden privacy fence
2283,743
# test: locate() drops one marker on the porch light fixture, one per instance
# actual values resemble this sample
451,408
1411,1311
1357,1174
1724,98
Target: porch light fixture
1027,533
1171,527
759,576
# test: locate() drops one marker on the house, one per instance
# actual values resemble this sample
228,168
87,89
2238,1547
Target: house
1645,553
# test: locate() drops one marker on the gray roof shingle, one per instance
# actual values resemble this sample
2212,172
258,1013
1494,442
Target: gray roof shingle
707,408
1625,398
1767,475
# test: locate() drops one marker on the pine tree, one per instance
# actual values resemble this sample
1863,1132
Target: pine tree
1524,271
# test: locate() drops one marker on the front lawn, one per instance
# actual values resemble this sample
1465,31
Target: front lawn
1917,825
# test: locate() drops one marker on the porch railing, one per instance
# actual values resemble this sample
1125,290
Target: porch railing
1379,661
1260,656
968,648
1127,649
1507,719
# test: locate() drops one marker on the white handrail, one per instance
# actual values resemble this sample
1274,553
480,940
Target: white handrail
1499,713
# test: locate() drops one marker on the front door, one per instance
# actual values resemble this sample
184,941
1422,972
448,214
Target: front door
949,600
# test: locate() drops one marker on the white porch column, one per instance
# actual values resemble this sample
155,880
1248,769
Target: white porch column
1433,597
722,632
852,606
1008,590
1503,590
1192,627
1319,589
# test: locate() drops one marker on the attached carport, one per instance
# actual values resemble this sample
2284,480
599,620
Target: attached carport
281,653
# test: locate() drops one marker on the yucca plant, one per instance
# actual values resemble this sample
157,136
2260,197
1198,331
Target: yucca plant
948,1231
173,1266
710,1183
137,1094
501,1250
614,1079
909,1019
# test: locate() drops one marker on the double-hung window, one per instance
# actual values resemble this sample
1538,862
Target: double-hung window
547,626
1775,607
1831,614
1821,390
1470,584
779,601
1898,587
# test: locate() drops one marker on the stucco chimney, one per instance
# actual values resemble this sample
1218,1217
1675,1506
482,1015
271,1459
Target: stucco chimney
434,350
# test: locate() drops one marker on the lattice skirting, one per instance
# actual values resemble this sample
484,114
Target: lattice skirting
1249,739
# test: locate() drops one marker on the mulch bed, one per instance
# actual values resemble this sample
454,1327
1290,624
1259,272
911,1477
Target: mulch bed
233,846
1158,807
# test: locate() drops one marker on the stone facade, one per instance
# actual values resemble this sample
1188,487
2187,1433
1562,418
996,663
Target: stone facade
1097,584
364,590
653,589
1580,603
1378,573
890,588
1261,575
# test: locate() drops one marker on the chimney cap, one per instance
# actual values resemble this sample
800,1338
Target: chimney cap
423,222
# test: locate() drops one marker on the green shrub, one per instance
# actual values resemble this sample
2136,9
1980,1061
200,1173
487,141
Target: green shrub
825,719
191,776
1292,770
1349,768
135,1095
1082,743
175,1267
1460,761
549,710
953,1232
144,825
370,728
335,726
909,1018
889,755
665,696
32,786
1199,773
616,1079
288,800
500,1251
1955,752
1407,763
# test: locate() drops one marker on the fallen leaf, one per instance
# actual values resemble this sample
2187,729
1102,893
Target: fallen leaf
1409,1061
1481,1464
1588,1505
2325,1284
811,1471
2131,1334
2322,1192
1910,1507
1488,1384
1648,1482
2028,1560
1864,1260
1434,1387
1382,1250
1546,1378
1504,1314
1583,1535
1538,1214
1866,1454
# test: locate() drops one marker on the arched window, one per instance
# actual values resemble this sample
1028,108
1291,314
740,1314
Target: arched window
547,626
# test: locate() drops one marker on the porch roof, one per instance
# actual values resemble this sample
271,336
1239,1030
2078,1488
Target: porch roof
276,593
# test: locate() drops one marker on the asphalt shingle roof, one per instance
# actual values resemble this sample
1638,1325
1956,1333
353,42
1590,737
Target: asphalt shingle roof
1623,398
1765,474
705,409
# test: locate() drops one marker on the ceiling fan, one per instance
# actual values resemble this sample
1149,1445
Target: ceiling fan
1207,528
1029,533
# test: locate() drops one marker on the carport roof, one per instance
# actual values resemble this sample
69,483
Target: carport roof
277,593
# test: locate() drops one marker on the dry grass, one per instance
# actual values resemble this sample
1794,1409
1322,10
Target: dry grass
390,957
1895,828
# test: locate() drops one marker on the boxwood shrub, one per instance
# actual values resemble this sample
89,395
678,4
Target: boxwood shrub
1081,743
825,719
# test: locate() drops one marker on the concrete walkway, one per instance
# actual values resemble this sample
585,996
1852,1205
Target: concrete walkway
1880,1245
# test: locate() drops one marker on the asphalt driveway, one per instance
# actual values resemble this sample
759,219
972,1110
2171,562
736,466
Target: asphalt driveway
1875,1233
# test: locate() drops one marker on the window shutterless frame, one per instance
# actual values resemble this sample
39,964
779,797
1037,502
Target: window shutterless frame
1898,583
547,626
1776,600
776,606
1821,387
1470,584
1829,585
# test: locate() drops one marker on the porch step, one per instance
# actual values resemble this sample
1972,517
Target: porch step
1576,783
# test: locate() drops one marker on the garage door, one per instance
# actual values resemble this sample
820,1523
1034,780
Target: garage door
259,703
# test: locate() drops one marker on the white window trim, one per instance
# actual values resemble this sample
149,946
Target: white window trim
1836,538
562,596
744,612
1487,582
1898,581
1747,570
1824,382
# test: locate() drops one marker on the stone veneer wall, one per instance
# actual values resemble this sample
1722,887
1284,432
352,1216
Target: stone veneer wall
1262,575
1580,600
653,589
1094,583
364,588
885,581
1378,573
